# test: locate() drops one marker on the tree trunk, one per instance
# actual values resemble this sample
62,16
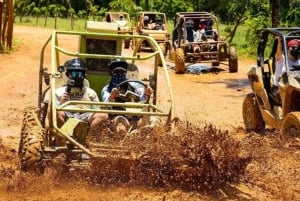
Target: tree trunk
46,14
4,26
1,9
10,23
146,4
233,31
275,13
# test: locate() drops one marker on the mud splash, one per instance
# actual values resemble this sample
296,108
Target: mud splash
205,160
195,159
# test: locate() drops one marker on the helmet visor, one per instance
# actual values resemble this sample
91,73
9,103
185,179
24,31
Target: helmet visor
77,74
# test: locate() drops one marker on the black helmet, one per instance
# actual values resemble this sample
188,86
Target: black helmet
120,64
76,68
75,64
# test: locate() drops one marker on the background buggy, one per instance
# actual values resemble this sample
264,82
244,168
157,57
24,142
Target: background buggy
209,48
122,19
153,24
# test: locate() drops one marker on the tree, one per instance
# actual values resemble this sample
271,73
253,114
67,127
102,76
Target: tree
275,12
170,7
123,5
1,11
259,18
293,14
6,23
237,15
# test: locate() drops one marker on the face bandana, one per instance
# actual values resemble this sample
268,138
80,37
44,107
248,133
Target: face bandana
116,79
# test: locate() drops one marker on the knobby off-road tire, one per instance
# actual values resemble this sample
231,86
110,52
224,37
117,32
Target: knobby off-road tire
179,61
232,60
31,143
291,126
252,117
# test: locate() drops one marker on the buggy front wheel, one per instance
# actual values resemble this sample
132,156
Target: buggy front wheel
291,126
31,143
251,115
179,61
232,60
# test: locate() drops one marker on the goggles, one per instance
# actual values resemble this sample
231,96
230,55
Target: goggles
76,74
295,50
294,47
190,25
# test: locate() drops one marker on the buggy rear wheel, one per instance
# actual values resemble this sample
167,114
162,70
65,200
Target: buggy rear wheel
31,143
252,117
233,60
179,61
291,125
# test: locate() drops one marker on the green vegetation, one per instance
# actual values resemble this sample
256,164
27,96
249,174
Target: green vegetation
241,21
62,23
79,25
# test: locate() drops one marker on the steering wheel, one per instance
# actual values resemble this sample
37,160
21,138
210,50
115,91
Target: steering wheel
128,90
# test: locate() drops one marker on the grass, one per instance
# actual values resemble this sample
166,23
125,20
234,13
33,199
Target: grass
62,23
239,40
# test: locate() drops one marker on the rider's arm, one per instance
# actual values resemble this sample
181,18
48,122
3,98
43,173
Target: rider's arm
105,94
61,96
279,50
92,96
279,63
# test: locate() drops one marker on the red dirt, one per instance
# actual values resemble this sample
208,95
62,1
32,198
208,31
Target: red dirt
272,173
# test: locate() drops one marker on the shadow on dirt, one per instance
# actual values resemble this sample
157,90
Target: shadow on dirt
231,83
198,68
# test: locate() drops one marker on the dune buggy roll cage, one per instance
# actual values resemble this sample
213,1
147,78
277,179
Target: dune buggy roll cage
284,34
101,107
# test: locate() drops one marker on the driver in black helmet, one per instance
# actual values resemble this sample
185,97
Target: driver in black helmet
75,90
112,91
118,70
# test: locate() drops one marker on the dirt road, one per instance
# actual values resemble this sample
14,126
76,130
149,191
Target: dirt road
272,174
